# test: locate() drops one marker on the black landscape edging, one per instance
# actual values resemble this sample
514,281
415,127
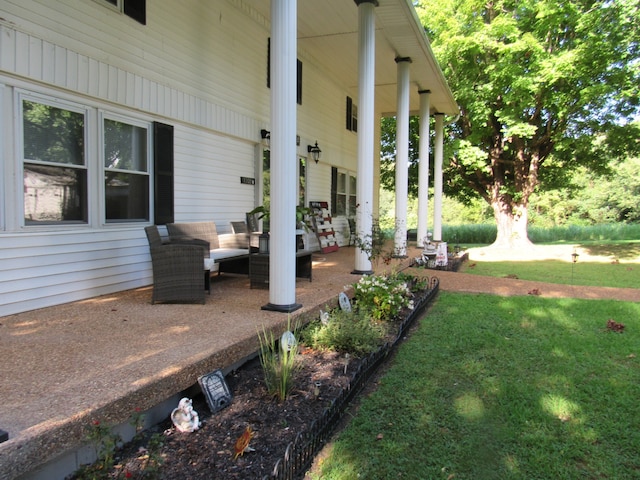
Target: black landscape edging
300,453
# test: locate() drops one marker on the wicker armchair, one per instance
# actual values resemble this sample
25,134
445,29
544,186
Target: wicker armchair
178,274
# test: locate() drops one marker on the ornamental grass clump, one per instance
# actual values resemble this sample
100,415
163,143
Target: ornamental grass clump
279,364
384,296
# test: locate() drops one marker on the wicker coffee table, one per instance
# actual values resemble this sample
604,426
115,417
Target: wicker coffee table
259,268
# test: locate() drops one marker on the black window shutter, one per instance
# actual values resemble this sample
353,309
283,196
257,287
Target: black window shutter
298,73
334,190
349,110
163,173
269,63
299,80
136,9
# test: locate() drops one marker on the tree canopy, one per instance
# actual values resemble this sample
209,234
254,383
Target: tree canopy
544,87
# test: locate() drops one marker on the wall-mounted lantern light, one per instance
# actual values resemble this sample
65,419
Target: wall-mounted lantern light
315,151
266,136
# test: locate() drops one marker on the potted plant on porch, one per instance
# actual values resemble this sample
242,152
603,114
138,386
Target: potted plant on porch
301,215
263,213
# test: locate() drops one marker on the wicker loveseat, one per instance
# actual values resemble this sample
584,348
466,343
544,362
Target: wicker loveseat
230,251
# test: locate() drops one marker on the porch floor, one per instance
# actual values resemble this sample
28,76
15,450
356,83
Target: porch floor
99,359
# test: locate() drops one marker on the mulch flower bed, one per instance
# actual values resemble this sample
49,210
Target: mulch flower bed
209,451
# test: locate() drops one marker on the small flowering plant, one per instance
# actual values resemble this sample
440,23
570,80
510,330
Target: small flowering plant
384,296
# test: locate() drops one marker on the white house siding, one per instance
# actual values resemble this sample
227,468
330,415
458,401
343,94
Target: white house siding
197,65
207,182
41,269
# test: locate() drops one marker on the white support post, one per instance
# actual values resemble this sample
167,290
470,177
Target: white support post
437,177
423,169
402,157
283,194
366,130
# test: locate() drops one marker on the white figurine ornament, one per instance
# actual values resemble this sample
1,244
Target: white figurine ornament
288,341
185,418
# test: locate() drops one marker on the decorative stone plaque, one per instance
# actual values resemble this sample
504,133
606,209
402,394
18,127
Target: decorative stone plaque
215,390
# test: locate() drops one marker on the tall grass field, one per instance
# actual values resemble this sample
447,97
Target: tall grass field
485,234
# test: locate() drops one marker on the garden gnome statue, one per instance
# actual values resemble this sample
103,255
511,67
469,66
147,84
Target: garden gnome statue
185,418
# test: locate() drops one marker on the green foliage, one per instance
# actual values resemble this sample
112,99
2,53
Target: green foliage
372,245
106,444
279,365
352,332
475,234
501,388
66,146
592,199
485,234
586,233
544,87
384,297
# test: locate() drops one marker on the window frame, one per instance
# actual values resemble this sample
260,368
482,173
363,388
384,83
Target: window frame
94,161
104,115
21,97
349,197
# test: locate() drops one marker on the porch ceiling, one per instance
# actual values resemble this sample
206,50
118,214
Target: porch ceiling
328,32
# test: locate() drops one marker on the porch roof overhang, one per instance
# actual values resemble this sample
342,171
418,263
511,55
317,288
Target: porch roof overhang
328,33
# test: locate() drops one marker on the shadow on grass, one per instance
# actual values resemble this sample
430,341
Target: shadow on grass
502,388
621,251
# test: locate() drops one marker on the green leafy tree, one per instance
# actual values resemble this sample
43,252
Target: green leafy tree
544,87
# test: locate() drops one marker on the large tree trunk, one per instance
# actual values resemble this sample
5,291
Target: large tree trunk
512,226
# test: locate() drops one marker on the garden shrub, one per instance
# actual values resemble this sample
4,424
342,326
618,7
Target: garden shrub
384,296
352,332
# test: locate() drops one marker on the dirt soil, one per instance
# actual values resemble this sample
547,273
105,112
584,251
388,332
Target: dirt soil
209,452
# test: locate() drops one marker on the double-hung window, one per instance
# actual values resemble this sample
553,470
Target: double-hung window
61,165
55,171
344,188
126,171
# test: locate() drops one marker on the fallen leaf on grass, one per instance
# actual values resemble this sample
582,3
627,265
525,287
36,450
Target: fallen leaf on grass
615,326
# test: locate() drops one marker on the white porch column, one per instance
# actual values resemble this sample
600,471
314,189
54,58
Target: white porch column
423,169
402,157
437,177
366,129
283,196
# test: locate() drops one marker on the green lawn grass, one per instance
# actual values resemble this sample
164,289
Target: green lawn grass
625,273
503,388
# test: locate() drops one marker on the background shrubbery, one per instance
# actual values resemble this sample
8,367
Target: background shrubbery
486,234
